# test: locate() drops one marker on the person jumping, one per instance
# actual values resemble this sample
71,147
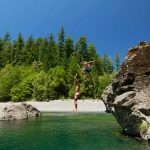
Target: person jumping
87,67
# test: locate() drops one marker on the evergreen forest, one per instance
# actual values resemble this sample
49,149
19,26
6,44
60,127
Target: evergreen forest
43,69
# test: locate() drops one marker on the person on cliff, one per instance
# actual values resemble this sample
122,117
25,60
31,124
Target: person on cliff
77,91
87,67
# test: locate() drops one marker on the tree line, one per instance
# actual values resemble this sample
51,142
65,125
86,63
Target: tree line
44,69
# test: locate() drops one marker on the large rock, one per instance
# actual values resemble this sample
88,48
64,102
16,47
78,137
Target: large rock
18,111
128,96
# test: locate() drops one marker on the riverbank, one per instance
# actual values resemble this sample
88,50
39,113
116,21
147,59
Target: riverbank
64,105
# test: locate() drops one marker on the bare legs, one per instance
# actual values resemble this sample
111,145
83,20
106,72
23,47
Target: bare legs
75,103
76,95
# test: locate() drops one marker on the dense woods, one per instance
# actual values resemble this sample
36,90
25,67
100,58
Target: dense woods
44,68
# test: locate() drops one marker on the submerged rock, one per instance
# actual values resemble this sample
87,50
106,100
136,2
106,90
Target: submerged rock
18,111
128,96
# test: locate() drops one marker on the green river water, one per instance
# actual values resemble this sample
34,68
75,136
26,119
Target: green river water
67,131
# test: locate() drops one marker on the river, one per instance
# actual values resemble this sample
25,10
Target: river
67,131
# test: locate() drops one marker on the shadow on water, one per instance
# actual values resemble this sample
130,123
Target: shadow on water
67,131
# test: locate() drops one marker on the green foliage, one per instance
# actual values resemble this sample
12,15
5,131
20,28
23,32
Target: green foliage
61,37
1,49
50,85
97,66
16,83
9,77
17,53
87,88
104,81
143,127
44,69
39,86
42,53
60,47
59,81
73,68
52,53
29,51
94,86
81,48
68,47
107,64
73,65
91,50
6,54
23,91
43,87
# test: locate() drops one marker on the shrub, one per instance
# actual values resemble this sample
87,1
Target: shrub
58,79
39,86
104,81
9,76
23,91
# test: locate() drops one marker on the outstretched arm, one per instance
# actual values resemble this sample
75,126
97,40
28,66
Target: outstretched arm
87,62
90,62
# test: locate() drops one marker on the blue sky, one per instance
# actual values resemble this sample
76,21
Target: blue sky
112,25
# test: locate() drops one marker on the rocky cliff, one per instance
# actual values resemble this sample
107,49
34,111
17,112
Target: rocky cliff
18,111
128,96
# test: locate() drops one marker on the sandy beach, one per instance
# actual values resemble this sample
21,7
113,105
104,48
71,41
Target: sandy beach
64,105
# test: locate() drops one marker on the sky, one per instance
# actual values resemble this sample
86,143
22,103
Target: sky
111,25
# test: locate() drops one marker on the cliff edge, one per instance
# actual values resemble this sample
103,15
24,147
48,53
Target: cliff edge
128,96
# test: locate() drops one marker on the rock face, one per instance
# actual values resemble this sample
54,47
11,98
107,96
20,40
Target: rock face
20,111
128,96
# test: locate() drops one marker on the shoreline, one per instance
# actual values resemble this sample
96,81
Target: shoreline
63,105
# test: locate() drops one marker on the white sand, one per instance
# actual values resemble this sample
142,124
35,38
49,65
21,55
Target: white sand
65,105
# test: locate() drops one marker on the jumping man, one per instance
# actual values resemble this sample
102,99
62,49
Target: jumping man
87,67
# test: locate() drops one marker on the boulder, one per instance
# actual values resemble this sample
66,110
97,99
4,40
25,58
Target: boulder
18,111
128,96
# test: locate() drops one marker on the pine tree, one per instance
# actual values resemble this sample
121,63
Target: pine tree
117,61
6,37
1,49
53,52
110,67
107,64
68,46
6,50
50,54
92,56
37,43
61,37
28,51
91,52
97,68
18,50
73,65
59,63
6,54
81,48
62,52
43,54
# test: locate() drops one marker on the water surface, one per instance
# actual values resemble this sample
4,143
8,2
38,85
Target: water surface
67,131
